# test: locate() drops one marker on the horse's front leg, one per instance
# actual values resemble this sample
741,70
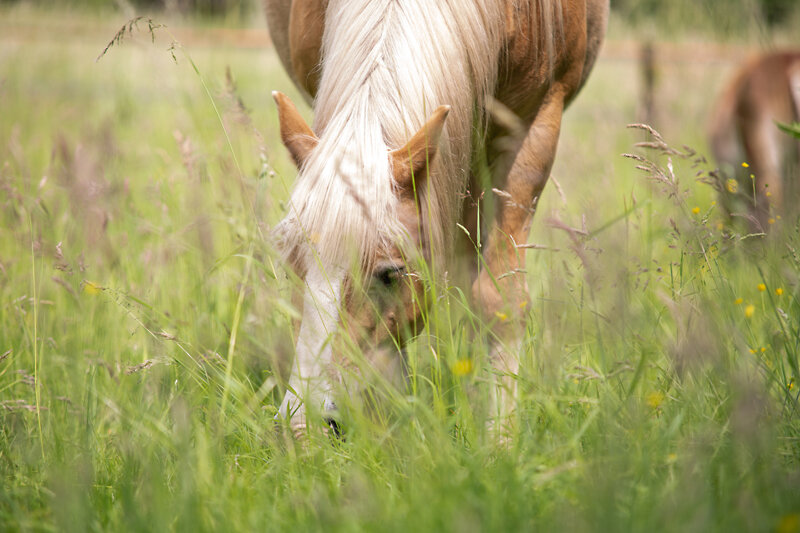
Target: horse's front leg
501,288
310,392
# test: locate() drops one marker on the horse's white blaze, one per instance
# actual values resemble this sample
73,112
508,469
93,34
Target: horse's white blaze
313,354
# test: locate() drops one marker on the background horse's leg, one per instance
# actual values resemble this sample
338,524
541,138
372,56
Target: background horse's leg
763,146
501,288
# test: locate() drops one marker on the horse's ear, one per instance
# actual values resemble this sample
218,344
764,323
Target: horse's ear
413,159
296,135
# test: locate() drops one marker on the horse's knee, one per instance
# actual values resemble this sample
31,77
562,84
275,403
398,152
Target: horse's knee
505,299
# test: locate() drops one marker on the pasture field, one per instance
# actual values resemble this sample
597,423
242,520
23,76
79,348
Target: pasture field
144,316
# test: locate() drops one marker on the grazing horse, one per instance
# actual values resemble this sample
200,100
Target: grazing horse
405,93
766,89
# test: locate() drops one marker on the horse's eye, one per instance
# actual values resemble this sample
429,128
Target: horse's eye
389,276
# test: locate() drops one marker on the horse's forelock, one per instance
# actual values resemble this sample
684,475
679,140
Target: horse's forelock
343,203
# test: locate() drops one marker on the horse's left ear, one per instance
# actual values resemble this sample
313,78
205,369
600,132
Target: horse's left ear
412,160
296,135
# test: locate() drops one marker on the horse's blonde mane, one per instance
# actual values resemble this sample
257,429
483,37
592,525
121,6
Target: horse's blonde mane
387,64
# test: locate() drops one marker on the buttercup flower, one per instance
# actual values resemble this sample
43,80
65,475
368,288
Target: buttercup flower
91,288
655,399
462,367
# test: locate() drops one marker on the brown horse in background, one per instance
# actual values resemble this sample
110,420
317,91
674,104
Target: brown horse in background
405,94
765,90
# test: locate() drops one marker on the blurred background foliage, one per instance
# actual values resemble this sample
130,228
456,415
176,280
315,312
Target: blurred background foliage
724,16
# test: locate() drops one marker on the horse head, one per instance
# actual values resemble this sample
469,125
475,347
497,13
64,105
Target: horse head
373,295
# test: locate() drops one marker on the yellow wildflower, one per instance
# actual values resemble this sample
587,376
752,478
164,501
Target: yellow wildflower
771,221
778,291
763,349
696,210
502,316
790,386
749,310
738,301
462,367
752,176
523,304
655,399
769,193
752,351
732,186
745,165
761,287
91,288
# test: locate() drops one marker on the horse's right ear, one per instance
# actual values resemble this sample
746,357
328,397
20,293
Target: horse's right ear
411,161
296,135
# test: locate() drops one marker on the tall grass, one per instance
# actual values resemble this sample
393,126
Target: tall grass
658,388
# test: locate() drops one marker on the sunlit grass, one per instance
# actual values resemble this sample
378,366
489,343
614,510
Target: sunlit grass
144,318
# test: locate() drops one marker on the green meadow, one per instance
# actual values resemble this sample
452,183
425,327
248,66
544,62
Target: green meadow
146,322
